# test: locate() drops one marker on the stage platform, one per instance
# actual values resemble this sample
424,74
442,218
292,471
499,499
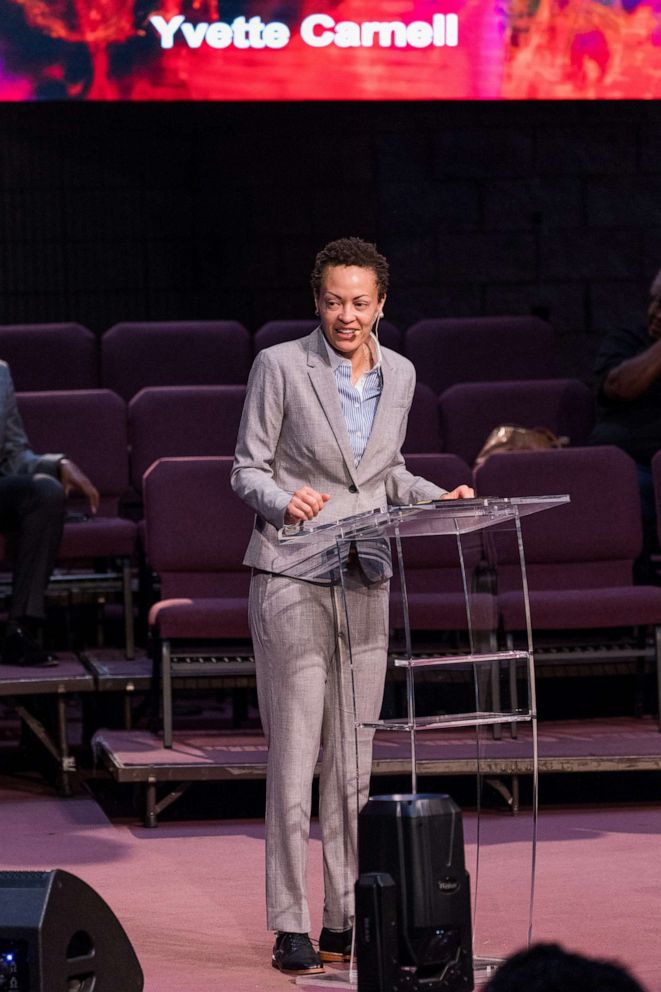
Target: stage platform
69,675
114,672
606,745
22,687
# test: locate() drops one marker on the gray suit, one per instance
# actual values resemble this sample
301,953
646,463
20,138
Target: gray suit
293,433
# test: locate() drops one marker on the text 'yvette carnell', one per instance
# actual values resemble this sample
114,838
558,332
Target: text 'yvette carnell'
316,30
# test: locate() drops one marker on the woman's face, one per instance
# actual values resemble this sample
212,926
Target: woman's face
348,305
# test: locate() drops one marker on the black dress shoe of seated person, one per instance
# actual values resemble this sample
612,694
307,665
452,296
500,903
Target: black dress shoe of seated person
294,954
21,648
335,945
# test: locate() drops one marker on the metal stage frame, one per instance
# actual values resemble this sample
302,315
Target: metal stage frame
623,744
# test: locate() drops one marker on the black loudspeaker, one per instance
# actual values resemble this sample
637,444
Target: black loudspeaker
58,935
423,920
376,931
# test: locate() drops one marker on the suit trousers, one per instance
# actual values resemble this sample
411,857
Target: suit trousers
32,517
306,700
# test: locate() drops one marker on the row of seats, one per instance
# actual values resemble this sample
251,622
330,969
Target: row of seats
130,356
115,443
579,555
98,429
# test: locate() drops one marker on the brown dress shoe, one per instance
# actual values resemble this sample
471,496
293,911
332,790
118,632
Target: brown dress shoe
334,945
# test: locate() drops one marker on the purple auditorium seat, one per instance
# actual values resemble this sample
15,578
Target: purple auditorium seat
481,349
50,356
579,556
442,468
197,531
469,411
422,433
171,421
390,336
174,353
277,331
89,426
431,564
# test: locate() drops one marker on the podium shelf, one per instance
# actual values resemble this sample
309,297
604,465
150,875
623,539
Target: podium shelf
451,720
463,659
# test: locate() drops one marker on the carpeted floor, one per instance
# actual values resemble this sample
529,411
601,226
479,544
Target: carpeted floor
189,894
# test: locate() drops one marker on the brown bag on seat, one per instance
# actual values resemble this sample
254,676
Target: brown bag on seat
510,438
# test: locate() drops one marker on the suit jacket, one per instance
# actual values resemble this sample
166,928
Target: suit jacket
16,456
293,433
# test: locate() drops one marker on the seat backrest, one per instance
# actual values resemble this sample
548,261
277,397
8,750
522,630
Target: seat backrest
423,432
590,542
277,331
50,356
481,349
88,425
196,529
174,353
170,421
470,411
442,468
435,553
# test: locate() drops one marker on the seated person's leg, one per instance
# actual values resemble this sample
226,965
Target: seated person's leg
32,516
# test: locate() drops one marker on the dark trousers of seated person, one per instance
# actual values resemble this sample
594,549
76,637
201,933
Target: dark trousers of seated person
645,571
31,518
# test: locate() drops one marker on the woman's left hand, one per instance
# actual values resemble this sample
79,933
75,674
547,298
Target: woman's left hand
461,492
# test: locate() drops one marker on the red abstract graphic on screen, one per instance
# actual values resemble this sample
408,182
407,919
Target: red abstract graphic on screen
330,49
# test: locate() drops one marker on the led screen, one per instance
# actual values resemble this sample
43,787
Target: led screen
329,49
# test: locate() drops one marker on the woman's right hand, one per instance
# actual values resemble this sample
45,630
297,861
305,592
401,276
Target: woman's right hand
305,504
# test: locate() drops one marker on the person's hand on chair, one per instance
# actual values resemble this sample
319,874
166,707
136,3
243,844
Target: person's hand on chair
73,478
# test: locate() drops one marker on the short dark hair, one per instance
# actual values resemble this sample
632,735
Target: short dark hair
351,251
549,968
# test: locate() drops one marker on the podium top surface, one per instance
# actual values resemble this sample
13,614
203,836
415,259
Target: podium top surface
438,517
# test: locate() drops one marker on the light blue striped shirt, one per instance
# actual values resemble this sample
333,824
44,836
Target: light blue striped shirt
360,400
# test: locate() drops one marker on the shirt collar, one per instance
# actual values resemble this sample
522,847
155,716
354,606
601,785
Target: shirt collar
337,360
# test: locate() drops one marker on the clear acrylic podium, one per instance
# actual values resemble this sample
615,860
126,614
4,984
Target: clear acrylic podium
501,684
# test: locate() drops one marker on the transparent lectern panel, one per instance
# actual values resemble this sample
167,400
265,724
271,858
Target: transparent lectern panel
467,708
460,699
434,517
501,847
